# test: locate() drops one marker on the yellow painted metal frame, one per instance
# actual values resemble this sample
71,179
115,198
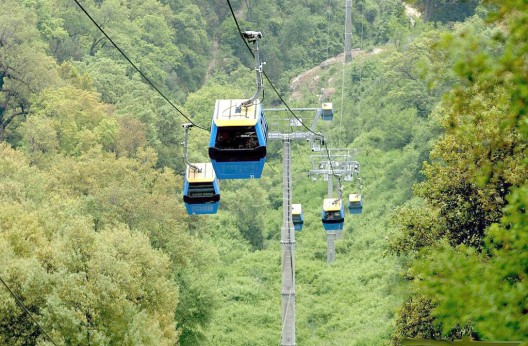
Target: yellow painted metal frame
225,113
206,175
296,209
327,106
354,197
332,204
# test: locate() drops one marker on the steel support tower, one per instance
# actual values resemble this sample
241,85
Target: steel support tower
332,235
287,231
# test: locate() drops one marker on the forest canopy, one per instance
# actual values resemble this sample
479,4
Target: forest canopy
94,237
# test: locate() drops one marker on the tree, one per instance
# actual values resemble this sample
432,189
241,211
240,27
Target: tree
80,121
84,285
193,40
25,69
446,10
250,219
478,187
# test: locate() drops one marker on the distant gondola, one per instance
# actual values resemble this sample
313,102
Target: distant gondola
327,112
333,215
297,217
201,191
355,203
237,146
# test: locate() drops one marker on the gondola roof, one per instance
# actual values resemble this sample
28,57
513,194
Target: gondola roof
206,175
354,197
327,106
231,113
296,209
332,204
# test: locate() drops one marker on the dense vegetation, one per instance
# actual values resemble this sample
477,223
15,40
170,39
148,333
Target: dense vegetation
94,238
466,231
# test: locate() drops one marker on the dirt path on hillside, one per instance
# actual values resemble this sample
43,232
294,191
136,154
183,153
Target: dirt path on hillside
311,77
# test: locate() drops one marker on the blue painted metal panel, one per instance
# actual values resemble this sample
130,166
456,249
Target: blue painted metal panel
334,226
298,222
327,117
355,207
239,169
202,204
241,160
333,222
199,209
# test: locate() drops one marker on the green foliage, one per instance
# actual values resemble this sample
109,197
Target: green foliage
84,285
25,68
415,319
93,230
192,37
201,103
477,186
301,35
248,200
467,180
79,121
446,10
103,173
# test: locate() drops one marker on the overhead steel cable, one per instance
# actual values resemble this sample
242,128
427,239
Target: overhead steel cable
264,73
274,89
343,82
329,160
19,302
137,69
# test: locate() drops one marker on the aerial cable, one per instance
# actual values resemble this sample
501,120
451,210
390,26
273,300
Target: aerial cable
19,302
329,159
339,187
273,87
288,107
271,167
238,28
342,102
264,73
343,86
328,9
361,48
137,69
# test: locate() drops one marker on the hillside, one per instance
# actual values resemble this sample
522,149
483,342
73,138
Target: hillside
96,246
310,80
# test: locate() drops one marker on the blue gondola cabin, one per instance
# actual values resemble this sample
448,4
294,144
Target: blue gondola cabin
237,146
355,203
201,190
327,112
333,215
297,217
